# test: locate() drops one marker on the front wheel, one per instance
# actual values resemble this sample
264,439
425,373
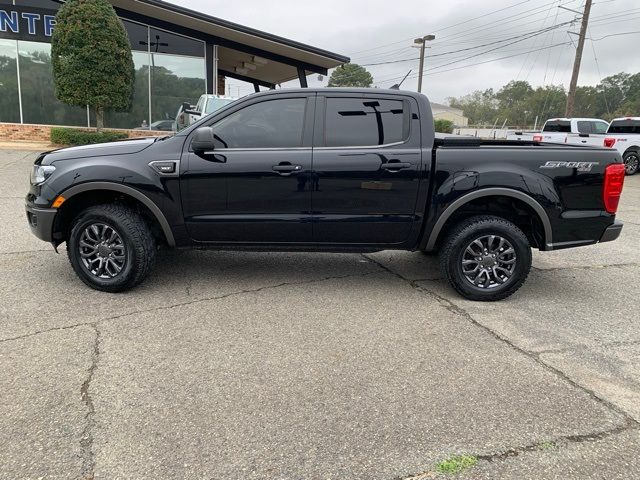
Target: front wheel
111,247
631,162
486,258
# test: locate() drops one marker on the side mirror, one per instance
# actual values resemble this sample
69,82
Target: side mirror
203,140
190,109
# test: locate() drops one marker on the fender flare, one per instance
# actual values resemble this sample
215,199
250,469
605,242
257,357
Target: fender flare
491,192
117,187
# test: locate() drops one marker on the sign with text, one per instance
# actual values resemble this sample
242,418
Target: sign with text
25,23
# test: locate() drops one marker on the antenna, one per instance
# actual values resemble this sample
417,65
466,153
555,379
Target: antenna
397,85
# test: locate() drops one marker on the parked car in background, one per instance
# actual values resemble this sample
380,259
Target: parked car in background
557,129
331,170
207,104
623,134
162,125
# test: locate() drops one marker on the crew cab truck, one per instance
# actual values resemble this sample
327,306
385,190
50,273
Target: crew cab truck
559,129
337,170
623,134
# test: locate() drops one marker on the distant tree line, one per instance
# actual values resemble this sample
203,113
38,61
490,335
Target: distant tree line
519,103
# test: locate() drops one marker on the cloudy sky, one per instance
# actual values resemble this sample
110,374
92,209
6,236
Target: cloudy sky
472,38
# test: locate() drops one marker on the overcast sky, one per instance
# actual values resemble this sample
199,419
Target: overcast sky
375,31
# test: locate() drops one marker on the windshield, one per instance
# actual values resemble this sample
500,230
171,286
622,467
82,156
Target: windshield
215,104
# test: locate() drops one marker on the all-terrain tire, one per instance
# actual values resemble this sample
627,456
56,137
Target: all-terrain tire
454,252
135,236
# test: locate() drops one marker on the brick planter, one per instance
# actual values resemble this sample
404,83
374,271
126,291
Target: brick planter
18,132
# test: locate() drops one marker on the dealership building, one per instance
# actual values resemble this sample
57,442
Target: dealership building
178,53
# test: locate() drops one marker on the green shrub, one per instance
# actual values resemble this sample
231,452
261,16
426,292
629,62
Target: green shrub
443,126
75,136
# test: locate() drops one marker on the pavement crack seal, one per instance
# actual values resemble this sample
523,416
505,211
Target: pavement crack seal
457,310
587,267
49,330
86,441
186,303
629,424
26,251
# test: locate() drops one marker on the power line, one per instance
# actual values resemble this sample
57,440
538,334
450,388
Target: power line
523,37
480,63
614,35
467,21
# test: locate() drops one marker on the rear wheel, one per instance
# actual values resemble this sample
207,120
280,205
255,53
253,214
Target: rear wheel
631,162
486,258
111,247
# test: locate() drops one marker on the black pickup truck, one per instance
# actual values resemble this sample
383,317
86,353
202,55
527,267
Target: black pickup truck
339,170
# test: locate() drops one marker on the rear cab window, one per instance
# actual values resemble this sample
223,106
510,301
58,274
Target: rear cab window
559,126
625,126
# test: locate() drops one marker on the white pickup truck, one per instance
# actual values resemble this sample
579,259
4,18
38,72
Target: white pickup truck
556,130
623,134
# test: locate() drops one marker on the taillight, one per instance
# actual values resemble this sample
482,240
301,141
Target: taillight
537,138
609,142
613,183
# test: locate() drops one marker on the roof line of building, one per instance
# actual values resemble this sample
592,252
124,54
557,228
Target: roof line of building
247,30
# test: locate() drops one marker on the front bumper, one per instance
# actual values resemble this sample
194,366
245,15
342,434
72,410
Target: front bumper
612,232
41,222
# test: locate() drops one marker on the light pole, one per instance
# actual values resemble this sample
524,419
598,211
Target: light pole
423,45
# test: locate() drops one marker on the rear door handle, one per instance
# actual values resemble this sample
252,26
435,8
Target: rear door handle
287,169
395,166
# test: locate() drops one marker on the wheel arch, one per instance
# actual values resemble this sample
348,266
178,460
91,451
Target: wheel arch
632,148
115,188
487,193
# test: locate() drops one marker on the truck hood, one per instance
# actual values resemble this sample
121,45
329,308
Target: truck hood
124,147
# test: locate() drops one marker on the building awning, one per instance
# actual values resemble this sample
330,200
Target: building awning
271,59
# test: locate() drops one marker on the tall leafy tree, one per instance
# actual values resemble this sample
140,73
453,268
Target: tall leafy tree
350,75
91,56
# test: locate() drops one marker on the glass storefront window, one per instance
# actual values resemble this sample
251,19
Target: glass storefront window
169,70
9,101
39,102
175,79
138,35
165,42
139,113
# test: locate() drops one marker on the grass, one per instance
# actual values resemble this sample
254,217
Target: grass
456,464
549,446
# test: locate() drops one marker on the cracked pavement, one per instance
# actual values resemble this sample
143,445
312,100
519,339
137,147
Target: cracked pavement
257,365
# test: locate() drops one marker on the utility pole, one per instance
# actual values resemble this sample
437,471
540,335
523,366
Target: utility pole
571,97
423,45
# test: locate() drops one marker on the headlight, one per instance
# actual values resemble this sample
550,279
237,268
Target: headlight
40,173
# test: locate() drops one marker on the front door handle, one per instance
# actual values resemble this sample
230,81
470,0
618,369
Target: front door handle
395,166
287,168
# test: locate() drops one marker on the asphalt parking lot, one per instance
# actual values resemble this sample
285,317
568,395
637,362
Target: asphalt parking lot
317,366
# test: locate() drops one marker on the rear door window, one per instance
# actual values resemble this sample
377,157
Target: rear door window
560,126
625,126
364,122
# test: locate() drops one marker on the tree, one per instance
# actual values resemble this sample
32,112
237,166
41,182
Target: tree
513,102
91,56
350,75
481,107
443,126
